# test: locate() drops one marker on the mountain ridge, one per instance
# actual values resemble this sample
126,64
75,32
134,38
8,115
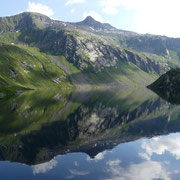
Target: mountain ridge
87,21
95,25
100,53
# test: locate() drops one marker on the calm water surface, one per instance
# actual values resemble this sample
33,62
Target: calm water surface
103,135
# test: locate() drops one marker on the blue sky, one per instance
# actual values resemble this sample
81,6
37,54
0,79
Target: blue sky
143,16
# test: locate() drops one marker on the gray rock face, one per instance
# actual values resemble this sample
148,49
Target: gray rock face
169,80
93,52
168,86
148,43
2,95
18,92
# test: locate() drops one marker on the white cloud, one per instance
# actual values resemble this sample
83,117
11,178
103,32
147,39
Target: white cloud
155,17
147,170
76,163
162,144
45,167
93,14
98,157
110,6
144,156
110,10
40,8
113,162
73,10
74,173
70,2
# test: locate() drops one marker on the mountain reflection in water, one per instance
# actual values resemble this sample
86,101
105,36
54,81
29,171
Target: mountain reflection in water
88,135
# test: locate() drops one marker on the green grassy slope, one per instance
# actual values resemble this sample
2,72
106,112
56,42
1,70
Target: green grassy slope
124,72
127,73
26,67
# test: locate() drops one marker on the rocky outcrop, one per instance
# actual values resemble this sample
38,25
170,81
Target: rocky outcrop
2,95
168,86
147,64
149,44
169,80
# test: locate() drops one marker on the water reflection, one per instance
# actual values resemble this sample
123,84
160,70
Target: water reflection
146,170
44,167
125,161
171,95
92,132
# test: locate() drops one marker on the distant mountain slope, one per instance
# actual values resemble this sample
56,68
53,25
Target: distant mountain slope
90,45
24,22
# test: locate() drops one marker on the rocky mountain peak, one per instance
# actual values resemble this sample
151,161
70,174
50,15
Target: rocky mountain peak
96,25
89,20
